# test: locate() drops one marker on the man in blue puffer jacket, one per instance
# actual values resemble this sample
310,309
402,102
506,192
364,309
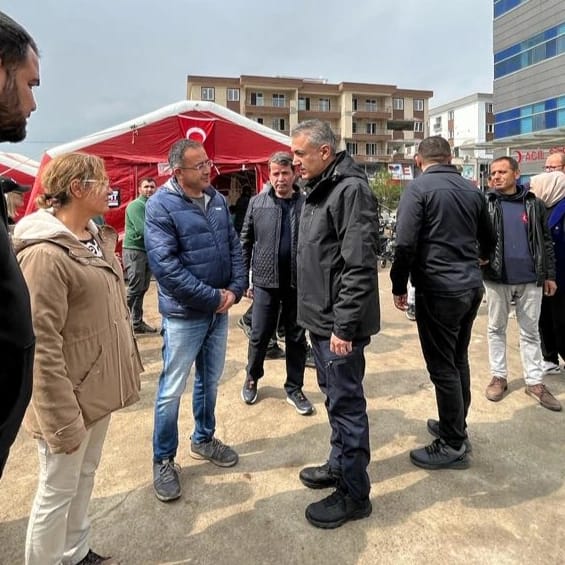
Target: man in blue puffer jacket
195,255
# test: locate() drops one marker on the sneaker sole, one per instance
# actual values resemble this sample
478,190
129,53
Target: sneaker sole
358,515
461,463
301,412
318,486
164,498
252,401
195,455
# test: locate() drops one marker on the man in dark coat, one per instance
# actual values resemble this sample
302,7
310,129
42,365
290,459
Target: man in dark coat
19,74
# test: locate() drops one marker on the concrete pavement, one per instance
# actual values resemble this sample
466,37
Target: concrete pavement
507,508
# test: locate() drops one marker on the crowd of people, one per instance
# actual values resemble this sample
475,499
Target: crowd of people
307,254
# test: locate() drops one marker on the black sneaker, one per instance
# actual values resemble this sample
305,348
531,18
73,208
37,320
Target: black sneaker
214,451
166,480
274,351
433,429
439,455
245,327
249,391
310,362
144,328
302,405
319,477
336,509
92,558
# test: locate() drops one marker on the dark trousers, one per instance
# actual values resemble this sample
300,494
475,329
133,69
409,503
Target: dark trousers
266,303
341,381
16,376
138,277
552,327
445,322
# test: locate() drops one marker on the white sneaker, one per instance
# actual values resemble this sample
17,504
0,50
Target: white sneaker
550,368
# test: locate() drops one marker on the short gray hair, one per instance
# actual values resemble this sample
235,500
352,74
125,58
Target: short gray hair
283,158
318,133
176,154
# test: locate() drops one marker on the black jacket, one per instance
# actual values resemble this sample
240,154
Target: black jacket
539,237
442,229
337,254
16,341
261,233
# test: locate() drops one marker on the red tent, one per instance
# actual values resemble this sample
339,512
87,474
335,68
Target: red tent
20,168
139,148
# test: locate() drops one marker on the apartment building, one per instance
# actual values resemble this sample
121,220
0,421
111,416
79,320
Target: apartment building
378,124
529,80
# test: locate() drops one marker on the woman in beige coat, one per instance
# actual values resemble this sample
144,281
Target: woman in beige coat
86,361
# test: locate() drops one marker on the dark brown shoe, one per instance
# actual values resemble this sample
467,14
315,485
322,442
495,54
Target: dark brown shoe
496,389
544,397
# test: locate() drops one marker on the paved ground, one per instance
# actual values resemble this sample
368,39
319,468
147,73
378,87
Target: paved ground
507,508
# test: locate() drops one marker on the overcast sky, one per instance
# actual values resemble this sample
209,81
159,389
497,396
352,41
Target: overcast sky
107,61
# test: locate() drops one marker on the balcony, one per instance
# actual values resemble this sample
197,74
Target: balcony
320,112
379,158
266,110
380,135
377,114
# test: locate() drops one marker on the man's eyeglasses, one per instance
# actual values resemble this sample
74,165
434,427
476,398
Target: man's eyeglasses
550,168
199,166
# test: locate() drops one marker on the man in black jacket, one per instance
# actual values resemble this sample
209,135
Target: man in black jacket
440,219
268,242
338,304
521,270
19,74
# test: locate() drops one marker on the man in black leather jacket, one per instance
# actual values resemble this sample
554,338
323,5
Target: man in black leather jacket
19,74
268,241
521,270
338,304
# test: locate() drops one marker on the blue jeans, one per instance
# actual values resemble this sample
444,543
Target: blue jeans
184,342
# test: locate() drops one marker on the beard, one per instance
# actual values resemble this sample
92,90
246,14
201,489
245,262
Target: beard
12,121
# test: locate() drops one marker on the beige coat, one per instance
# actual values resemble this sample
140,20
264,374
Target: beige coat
86,359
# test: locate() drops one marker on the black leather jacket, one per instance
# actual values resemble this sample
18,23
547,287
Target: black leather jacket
261,233
539,238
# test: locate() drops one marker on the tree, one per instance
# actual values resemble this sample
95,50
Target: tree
386,190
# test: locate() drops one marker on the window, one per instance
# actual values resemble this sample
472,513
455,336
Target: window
371,149
419,126
324,105
503,6
450,134
233,94
303,103
259,120
371,105
488,108
207,93
351,148
418,104
279,100
279,124
371,128
398,103
257,99
354,127
354,104
451,115
490,128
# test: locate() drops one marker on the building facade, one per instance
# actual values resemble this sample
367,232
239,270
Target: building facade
529,80
378,124
465,123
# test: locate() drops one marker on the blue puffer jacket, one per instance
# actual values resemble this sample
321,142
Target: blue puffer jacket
192,255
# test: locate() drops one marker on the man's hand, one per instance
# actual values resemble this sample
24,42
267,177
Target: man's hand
340,346
401,301
549,288
228,299
249,293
